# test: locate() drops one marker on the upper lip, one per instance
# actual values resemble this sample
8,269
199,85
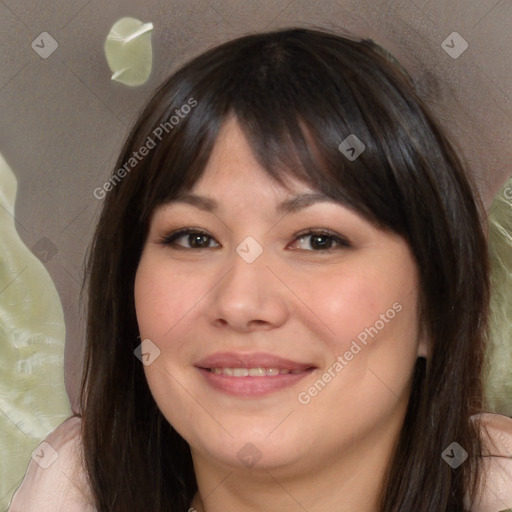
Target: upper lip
250,360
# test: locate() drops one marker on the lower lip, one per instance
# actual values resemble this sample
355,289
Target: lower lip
252,386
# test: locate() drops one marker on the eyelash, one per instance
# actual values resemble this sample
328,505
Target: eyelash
170,240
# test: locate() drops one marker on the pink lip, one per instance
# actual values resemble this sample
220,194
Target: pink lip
249,387
250,360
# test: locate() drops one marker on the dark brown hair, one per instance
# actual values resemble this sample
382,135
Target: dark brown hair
296,93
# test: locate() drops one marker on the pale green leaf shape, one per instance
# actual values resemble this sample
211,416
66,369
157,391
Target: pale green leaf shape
498,367
128,51
33,399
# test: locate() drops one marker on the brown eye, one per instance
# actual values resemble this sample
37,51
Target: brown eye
194,239
322,240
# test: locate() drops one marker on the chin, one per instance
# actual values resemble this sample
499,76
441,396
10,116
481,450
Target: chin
253,448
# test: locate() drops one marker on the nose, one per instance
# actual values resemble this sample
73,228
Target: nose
250,296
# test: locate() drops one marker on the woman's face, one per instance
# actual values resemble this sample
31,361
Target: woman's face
271,347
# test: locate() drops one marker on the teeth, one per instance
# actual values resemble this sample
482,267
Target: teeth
256,372
252,372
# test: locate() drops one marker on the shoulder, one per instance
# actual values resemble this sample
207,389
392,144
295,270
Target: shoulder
498,429
55,479
495,492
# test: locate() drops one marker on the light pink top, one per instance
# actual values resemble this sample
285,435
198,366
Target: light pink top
55,480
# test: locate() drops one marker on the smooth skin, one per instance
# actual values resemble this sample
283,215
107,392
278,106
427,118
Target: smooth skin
305,299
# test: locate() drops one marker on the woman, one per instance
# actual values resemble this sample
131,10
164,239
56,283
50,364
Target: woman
292,250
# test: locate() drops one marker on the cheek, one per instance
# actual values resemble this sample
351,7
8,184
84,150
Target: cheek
365,304
162,298
373,347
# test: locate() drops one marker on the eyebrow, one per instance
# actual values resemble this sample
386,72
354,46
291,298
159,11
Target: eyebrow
290,205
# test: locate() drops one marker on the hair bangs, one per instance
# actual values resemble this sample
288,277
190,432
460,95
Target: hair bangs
294,120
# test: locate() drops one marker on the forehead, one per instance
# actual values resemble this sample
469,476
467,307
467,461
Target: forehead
233,164
233,173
